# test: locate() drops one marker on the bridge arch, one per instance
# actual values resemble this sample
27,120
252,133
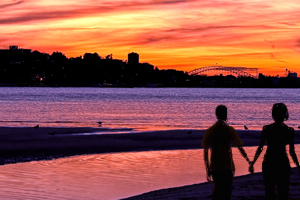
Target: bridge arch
235,71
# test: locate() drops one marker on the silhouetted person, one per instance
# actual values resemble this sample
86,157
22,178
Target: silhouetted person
276,167
220,167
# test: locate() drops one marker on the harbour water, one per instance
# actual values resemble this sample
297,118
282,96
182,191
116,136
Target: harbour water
143,108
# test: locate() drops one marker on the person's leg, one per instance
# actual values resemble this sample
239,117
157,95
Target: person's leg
284,183
269,182
227,184
217,179
223,184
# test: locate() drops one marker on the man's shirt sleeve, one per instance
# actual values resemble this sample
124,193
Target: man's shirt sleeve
206,139
234,138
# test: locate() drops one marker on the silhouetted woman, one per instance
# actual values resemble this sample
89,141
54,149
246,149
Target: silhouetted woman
276,167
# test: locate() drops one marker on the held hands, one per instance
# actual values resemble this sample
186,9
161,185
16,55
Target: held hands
251,163
251,167
209,175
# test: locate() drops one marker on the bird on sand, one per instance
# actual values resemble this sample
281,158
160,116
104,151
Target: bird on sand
37,126
246,128
189,132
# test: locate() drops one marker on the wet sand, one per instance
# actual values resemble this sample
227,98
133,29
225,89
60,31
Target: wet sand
21,144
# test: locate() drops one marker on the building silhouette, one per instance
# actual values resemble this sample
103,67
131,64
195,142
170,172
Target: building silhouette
23,67
14,50
133,58
292,74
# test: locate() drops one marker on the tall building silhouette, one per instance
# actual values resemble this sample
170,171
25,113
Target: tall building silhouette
133,58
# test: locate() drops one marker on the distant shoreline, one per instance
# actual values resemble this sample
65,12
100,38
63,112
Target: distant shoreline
37,86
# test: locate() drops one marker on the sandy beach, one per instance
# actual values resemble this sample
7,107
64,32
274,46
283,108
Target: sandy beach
244,187
21,144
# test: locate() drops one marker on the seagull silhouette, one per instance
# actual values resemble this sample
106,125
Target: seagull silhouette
189,132
298,127
246,128
99,123
37,126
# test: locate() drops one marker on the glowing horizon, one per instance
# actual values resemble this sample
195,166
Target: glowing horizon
170,34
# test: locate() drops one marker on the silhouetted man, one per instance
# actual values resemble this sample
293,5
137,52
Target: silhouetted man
220,167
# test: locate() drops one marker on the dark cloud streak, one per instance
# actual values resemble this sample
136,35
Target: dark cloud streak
207,28
85,11
273,57
10,4
286,23
155,2
298,43
50,15
162,35
251,55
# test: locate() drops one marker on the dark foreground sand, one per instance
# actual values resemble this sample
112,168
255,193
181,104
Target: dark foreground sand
21,144
244,187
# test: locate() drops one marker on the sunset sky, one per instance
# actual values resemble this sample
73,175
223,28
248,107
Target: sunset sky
177,34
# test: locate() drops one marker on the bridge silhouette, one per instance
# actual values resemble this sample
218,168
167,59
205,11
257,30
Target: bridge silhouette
225,70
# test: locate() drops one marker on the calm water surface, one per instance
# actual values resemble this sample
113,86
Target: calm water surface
143,108
110,176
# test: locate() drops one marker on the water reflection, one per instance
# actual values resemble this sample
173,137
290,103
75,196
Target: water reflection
109,176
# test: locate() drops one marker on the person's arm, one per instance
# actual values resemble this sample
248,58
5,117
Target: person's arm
244,154
236,141
206,161
260,147
292,148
